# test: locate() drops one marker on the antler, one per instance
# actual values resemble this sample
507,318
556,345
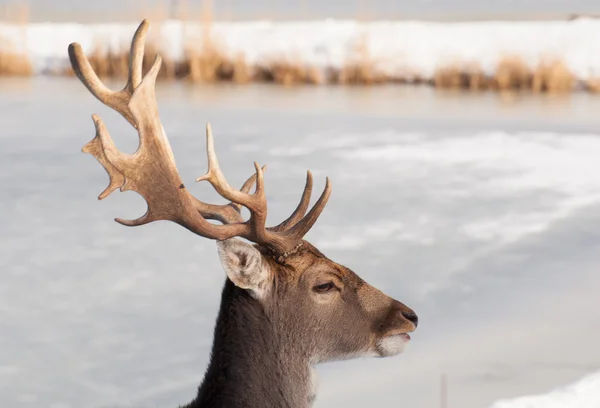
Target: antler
151,171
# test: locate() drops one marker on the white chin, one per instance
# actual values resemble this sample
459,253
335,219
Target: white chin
391,345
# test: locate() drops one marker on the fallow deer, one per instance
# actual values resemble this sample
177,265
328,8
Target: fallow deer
285,306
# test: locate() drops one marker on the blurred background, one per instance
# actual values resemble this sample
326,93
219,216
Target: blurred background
462,138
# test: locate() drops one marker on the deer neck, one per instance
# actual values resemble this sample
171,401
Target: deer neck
250,364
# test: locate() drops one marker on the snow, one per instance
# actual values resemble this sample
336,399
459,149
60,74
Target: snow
582,394
398,48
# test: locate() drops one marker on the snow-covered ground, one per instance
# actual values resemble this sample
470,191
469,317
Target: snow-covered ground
396,48
582,394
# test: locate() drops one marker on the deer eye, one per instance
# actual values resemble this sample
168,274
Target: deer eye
324,287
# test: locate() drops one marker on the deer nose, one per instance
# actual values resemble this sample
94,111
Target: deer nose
411,317
400,315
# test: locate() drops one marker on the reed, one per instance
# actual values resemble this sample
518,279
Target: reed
512,74
203,60
451,76
207,65
109,63
14,60
461,76
360,67
592,85
477,79
357,73
15,13
288,72
552,76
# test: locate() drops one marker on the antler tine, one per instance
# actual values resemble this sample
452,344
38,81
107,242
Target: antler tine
214,175
301,209
256,202
118,100
136,56
297,232
283,237
229,213
246,188
95,147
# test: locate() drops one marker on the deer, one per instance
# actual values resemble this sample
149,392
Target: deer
285,307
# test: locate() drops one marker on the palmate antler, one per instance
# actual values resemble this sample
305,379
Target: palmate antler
151,170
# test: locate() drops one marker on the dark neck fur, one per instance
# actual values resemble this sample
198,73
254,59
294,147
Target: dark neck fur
249,366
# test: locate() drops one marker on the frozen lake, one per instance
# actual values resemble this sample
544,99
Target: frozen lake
480,212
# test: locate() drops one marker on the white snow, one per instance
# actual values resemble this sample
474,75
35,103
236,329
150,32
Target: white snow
513,163
582,394
397,48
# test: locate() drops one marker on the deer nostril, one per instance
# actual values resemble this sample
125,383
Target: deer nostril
412,317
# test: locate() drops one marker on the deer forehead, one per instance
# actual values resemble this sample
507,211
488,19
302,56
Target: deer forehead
308,266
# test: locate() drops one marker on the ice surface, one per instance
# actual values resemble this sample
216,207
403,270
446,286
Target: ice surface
484,219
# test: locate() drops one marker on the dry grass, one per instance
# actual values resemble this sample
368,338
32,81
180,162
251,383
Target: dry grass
457,76
358,73
206,66
288,73
552,76
477,78
207,63
449,76
462,76
15,13
592,85
360,69
512,74
12,62
108,63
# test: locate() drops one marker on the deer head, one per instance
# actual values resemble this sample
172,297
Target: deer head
283,297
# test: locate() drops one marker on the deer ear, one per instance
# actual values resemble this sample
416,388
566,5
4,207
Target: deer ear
244,266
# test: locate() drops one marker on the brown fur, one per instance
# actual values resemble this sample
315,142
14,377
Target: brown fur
263,349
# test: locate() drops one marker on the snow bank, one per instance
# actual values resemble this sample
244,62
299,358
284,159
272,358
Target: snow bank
583,394
396,48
